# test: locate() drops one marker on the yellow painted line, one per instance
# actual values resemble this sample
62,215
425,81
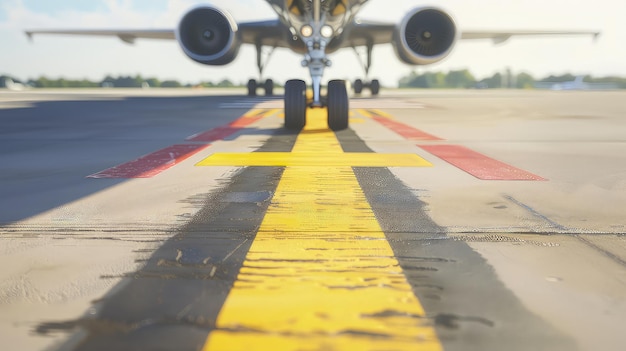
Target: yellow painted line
364,112
317,159
356,120
320,274
272,112
319,153
380,113
255,113
383,114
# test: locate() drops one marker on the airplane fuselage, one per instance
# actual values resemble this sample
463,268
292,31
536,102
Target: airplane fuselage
310,20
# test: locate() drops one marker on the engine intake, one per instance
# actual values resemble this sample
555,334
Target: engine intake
425,36
208,36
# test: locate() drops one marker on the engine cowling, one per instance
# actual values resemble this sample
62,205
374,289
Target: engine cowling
425,36
208,36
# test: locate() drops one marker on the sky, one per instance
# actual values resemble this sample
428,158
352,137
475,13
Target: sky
93,58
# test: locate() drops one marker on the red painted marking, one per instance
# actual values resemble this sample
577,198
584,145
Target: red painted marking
150,165
478,165
223,132
404,130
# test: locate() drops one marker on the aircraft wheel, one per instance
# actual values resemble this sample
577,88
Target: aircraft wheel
269,87
295,104
252,87
358,86
338,105
375,87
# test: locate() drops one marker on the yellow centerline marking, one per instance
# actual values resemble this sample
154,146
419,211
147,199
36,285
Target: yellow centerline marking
320,274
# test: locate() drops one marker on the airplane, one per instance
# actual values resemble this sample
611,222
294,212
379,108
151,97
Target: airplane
10,84
577,84
314,29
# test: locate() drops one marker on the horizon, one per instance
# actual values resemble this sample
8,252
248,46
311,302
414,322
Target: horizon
412,81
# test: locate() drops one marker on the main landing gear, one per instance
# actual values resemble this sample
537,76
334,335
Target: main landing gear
268,86
359,85
337,104
373,86
261,61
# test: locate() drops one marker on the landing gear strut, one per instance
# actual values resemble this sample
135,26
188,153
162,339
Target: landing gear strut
316,35
359,85
261,62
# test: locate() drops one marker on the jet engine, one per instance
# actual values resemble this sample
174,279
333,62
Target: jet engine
425,36
208,36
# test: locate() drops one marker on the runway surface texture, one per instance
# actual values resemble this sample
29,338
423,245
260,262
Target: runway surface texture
191,220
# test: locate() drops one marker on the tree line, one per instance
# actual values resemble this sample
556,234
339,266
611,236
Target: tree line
463,79
114,82
455,79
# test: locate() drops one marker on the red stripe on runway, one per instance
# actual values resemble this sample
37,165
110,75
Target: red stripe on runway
150,165
404,130
223,132
478,165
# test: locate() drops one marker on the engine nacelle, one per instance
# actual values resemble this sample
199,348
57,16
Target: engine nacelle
425,36
208,36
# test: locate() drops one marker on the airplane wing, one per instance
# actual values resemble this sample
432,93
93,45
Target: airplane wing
364,33
502,36
267,33
127,36
273,33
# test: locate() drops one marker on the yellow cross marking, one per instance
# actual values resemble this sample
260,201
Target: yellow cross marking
314,159
317,153
320,274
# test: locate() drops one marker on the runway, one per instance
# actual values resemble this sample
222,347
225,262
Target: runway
191,220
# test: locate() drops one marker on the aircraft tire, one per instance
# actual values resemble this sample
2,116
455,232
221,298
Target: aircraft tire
295,104
269,87
358,86
338,105
252,87
375,87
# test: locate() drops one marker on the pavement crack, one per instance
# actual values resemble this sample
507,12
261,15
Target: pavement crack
606,253
536,213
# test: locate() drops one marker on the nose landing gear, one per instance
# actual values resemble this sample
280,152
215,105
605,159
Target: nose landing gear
336,102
